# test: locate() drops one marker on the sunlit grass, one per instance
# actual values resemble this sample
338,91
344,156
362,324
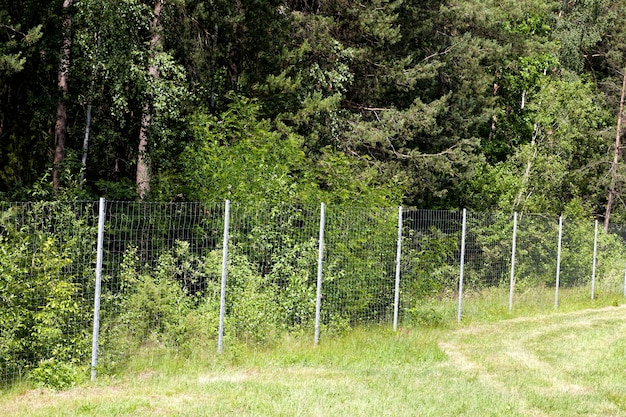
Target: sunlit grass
366,372
565,363
493,304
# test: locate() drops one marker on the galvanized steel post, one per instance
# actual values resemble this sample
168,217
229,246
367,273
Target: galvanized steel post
593,269
512,284
320,259
220,335
396,299
462,266
558,264
98,289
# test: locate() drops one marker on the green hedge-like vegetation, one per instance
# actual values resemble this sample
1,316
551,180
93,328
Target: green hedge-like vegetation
160,291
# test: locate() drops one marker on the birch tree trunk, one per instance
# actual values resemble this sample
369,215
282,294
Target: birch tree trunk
527,171
617,150
60,127
143,162
83,166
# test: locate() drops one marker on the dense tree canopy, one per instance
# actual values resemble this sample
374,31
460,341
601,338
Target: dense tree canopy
509,105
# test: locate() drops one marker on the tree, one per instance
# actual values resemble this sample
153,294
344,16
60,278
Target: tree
129,68
11,43
240,157
60,129
156,46
617,151
26,94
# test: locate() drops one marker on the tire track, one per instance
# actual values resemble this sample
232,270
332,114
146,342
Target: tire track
539,358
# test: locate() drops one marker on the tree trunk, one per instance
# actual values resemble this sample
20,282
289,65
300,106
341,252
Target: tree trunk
88,116
86,140
60,128
143,167
234,55
143,162
529,165
213,70
617,150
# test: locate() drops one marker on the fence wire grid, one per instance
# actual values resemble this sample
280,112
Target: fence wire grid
189,275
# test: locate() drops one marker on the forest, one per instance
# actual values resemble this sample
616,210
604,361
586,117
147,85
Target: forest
490,105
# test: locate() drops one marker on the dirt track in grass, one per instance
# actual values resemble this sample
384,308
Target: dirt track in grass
547,364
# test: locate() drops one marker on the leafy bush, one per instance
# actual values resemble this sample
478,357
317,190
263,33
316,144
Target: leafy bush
293,274
429,269
153,303
45,306
264,299
358,276
426,315
54,374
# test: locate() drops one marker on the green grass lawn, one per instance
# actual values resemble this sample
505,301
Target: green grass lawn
559,364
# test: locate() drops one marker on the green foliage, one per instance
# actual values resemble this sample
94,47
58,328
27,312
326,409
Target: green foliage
271,283
489,239
580,28
536,251
357,281
236,156
561,152
293,276
54,374
377,103
281,246
12,59
429,272
43,313
154,303
426,315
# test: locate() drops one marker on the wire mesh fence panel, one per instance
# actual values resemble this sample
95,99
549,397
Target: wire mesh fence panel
47,252
162,273
271,271
576,261
429,266
359,266
488,246
611,262
161,279
536,261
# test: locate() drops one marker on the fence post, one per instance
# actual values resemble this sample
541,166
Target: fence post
396,300
593,269
220,335
320,260
558,263
462,266
512,285
98,289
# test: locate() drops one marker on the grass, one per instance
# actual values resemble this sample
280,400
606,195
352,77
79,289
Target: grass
492,304
568,363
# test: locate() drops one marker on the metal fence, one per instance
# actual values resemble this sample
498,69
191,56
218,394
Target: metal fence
104,279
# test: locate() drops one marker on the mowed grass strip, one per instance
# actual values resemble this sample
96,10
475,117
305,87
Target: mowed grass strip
562,364
571,364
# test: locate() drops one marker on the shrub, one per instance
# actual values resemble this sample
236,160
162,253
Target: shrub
45,300
55,374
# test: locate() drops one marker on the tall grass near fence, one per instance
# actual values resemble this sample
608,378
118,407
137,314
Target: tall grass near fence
561,364
169,279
